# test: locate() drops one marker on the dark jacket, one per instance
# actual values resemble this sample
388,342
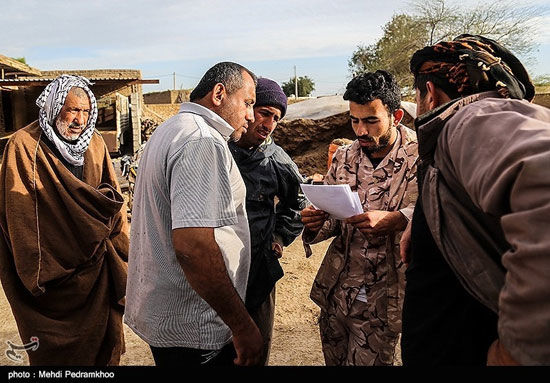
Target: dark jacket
268,173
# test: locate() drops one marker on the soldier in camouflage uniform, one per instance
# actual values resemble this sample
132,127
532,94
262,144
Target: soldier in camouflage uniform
360,283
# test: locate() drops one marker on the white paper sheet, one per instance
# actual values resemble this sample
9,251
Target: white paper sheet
337,200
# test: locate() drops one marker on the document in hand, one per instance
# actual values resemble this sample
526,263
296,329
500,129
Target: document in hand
337,200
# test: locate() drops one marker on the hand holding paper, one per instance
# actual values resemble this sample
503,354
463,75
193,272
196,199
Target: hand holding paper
313,219
337,200
378,222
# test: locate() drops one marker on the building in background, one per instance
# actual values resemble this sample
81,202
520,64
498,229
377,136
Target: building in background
118,92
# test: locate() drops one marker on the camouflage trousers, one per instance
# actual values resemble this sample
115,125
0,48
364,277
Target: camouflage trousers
357,339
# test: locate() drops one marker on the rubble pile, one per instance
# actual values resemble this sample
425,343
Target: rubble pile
310,126
307,141
148,126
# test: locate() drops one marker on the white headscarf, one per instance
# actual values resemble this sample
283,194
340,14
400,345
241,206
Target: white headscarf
51,101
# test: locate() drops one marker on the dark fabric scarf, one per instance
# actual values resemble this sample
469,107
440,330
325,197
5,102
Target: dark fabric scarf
475,64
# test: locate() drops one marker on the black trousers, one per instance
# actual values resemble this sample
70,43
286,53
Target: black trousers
178,356
443,325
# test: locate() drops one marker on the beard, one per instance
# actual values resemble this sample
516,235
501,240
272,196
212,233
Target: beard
377,145
63,130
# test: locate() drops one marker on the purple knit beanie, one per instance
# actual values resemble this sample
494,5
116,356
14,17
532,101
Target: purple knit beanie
269,93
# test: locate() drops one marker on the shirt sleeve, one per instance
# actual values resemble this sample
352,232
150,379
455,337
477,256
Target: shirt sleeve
200,186
411,193
407,212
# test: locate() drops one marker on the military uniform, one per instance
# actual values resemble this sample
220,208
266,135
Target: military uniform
365,331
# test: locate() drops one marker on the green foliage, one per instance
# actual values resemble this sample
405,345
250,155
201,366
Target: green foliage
21,60
403,35
305,87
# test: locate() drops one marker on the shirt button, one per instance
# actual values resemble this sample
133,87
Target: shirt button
345,285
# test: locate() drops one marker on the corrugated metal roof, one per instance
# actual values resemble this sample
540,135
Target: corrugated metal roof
50,79
42,81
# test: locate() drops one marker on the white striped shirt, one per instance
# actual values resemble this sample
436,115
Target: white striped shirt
186,178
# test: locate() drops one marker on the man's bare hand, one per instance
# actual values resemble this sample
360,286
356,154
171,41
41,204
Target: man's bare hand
378,222
313,219
203,264
405,245
249,346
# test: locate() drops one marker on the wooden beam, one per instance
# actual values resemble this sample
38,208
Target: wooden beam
135,82
14,82
10,63
8,82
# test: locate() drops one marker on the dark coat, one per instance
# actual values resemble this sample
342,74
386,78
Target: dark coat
273,205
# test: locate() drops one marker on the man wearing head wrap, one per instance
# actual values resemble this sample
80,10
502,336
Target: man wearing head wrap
478,281
268,173
64,247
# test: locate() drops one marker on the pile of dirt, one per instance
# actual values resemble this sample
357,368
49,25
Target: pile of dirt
148,126
306,141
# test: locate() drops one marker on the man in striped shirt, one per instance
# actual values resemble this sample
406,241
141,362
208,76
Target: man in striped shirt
190,242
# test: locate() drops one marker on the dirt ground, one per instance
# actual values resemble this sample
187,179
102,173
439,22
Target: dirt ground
296,337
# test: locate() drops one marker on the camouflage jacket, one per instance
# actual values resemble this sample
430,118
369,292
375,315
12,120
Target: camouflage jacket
352,260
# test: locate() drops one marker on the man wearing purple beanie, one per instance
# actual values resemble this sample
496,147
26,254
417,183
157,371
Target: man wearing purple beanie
268,172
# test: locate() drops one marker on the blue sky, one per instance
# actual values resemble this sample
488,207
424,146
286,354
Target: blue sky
187,37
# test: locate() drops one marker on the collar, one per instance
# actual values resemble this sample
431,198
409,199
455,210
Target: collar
265,149
429,125
212,118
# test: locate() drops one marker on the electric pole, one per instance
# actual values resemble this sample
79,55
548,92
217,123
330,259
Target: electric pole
174,80
295,84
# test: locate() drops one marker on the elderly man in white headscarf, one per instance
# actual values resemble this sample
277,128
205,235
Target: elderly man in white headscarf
64,243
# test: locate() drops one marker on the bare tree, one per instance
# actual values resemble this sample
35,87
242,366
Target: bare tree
505,22
438,17
430,21
511,24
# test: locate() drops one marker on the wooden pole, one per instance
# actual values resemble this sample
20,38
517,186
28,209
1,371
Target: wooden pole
295,84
